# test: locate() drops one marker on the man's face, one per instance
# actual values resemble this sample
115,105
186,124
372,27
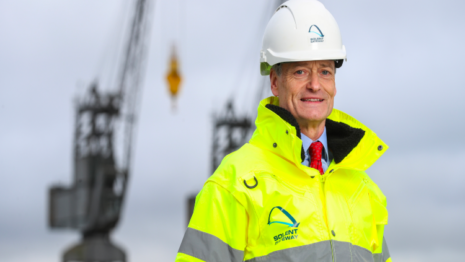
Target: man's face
306,89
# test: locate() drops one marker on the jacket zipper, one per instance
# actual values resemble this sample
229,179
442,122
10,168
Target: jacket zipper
325,213
332,249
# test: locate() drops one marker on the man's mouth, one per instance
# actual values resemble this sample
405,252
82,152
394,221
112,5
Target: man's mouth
311,100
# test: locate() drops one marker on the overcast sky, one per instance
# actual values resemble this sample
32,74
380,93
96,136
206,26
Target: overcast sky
404,78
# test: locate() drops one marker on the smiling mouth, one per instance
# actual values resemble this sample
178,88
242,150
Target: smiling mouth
311,100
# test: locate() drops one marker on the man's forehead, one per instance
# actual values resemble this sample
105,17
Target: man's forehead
320,63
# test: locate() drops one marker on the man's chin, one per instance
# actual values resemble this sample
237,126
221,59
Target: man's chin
314,119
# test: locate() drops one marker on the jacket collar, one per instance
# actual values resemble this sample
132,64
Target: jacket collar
350,142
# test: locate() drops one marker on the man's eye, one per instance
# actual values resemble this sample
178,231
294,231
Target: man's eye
299,72
325,72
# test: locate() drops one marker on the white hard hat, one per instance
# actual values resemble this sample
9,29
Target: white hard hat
301,30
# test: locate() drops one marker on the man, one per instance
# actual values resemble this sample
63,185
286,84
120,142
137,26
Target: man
298,190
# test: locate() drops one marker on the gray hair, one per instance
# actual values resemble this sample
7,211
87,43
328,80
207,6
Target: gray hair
277,68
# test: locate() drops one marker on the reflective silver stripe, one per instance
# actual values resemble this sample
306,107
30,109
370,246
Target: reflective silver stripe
342,251
386,254
208,247
382,257
320,252
360,254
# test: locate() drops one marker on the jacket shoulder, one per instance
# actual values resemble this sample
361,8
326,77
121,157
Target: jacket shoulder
240,166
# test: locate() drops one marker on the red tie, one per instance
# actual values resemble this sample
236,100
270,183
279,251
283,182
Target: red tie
315,156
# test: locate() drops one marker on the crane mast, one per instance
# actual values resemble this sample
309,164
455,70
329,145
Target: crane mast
103,138
232,130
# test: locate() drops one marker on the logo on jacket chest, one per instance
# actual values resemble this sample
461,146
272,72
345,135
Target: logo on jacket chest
280,216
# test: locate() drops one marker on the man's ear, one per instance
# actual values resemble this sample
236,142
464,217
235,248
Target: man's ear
274,82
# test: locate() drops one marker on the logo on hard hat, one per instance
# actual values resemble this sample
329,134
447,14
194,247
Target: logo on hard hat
316,30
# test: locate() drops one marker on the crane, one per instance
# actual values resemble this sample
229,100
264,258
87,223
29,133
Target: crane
103,143
230,130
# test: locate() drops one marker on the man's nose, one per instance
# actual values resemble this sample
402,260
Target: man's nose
314,82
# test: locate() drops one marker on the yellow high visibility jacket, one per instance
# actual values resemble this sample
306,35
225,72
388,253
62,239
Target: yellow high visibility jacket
262,204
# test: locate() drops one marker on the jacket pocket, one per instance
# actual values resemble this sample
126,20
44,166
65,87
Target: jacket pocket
369,215
380,218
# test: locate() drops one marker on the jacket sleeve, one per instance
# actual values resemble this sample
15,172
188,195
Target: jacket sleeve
380,220
382,254
217,230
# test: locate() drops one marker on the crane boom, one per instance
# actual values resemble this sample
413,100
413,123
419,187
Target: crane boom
131,71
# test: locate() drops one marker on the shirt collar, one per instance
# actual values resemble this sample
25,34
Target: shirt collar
306,142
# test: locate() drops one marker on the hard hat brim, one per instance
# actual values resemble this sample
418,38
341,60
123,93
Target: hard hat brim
273,58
